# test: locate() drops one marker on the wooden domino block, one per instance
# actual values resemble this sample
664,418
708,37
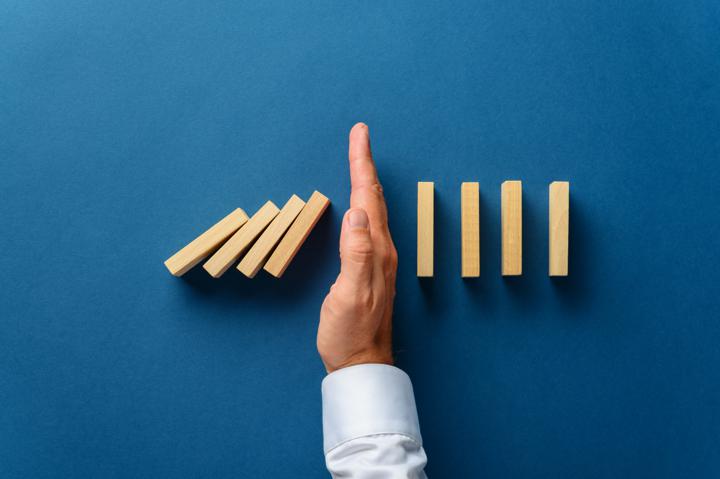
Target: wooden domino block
297,234
240,241
260,251
559,227
182,261
511,228
470,229
425,228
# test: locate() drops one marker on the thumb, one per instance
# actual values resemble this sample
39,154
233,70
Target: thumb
356,248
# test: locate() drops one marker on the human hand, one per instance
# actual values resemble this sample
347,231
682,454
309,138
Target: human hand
356,316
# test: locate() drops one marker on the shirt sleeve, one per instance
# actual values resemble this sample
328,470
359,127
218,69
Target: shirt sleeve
370,424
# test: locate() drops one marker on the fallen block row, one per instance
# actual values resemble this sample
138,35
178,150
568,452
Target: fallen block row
269,239
511,217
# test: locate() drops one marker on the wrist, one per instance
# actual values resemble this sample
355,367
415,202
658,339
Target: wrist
362,357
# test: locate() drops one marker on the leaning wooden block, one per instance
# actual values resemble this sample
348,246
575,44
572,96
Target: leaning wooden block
260,251
559,227
182,261
425,228
470,229
297,234
240,241
511,228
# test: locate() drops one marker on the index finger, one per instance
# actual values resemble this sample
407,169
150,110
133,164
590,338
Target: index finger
362,166
366,190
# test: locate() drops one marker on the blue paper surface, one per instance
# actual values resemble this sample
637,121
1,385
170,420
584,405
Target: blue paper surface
127,128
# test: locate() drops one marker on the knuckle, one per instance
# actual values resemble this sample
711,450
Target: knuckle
357,255
393,257
362,244
374,188
390,259
359,248
328,308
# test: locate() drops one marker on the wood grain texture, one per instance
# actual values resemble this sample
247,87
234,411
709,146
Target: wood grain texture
470,229
511,193
240,241
297,234
260,251
197,250
559,226
425,228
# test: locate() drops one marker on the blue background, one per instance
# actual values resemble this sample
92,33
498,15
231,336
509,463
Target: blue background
126,128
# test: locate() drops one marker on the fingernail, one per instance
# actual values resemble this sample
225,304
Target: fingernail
358,218
363,126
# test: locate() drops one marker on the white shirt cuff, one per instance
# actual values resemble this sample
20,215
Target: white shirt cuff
365,400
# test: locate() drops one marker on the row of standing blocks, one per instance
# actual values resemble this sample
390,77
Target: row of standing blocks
511,217
268,240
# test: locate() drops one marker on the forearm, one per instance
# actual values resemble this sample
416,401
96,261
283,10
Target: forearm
370,424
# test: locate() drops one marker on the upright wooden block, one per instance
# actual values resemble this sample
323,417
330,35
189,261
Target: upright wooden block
182,261
425,228
260,251
240,241
511,228
559,227
470,229
297,234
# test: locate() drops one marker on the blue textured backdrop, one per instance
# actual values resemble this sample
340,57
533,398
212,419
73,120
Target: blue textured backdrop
128,127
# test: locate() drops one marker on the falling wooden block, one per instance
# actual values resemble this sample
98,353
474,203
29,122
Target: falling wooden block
240,241
511,228
182,261
260,251
425,228
559,227
470,229
297,234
